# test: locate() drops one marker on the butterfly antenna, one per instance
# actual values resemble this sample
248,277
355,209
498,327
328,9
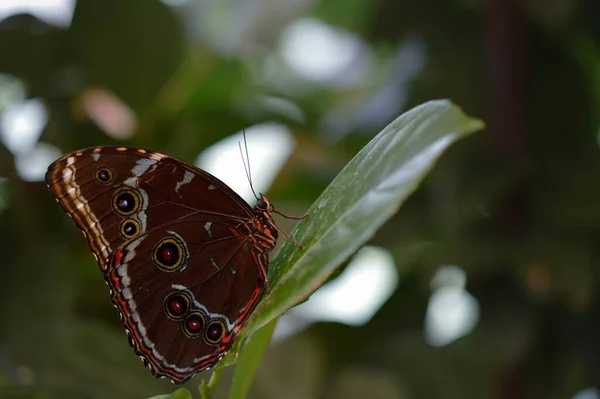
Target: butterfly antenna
247,159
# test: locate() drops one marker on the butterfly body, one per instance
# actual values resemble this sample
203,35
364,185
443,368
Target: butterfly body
184,256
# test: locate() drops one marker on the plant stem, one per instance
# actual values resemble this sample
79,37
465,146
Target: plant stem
207,390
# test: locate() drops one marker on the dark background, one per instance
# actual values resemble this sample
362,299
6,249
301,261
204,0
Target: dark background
517,206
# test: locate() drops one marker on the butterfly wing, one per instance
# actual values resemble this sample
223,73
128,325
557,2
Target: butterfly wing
175,245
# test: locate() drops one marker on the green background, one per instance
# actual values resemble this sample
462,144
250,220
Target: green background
516,206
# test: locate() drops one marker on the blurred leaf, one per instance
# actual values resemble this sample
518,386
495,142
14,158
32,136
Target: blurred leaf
181,393
130,47
249,360
344,13
33,57
366,193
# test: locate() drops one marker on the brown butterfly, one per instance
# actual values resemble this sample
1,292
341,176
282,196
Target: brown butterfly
184,256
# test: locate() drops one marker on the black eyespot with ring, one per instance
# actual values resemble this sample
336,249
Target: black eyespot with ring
194,324
129,228
126,202
176,305
215,331
104,175
170,253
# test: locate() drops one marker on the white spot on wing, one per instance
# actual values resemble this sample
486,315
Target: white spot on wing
207,228
187,177
142,218
131,182
211,187
96,156
156,155
131,250
67,174
141,328
142,165
122,270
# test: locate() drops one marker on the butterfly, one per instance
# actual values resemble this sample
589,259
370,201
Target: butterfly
185,257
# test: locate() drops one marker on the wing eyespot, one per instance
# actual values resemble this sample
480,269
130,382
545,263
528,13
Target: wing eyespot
104,175
177,305
215,331
126,202
194,324
170,254
129,228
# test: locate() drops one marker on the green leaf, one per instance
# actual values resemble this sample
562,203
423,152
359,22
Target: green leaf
366,193
249,360
181,393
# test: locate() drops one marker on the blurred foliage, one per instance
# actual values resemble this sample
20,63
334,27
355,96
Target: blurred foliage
515,207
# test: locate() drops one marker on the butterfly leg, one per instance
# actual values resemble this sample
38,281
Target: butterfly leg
291,217
296,243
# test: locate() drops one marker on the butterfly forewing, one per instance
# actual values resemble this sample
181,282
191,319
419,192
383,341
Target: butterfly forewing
103,175
184,256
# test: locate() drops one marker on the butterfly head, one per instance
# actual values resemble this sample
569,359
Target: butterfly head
263,210
264,204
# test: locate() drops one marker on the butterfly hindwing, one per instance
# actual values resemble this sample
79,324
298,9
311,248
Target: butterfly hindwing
220,297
